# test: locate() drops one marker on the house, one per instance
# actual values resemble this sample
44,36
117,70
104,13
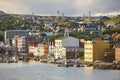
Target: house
91,28
111,24
94,50
117,26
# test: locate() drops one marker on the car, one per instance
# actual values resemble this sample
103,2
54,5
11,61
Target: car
69,63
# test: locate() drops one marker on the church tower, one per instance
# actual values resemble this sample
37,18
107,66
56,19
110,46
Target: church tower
66,33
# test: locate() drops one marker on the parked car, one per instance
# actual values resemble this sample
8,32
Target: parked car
69,63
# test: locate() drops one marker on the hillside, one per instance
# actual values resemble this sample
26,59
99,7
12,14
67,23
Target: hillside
2,13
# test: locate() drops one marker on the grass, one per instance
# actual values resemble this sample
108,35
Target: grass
116,21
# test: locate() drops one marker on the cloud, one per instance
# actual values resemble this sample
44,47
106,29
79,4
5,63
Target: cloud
51,7
108,14
98,6
68,7
14,6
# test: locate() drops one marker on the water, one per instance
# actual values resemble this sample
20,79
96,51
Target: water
38,71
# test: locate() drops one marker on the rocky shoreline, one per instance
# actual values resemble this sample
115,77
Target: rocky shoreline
111,66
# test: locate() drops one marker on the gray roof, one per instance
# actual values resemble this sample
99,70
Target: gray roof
70,42
19,30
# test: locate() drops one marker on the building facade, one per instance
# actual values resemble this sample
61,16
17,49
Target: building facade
94,51
46,49
72,47
10,34
40,50
117,54
33,51
67,48
58,49
51,47
32,41
21,45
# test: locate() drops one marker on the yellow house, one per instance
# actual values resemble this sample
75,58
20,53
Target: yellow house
94,50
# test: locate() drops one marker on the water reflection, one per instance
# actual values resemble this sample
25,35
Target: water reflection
38,71
88,72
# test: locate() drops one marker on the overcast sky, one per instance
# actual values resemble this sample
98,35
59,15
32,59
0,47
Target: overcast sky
68,7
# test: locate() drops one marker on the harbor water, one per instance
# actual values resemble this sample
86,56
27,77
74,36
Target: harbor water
39,71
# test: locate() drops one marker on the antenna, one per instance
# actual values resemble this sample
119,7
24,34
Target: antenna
57,17
83,15
62,14
90,14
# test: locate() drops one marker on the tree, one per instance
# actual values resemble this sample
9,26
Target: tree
55,37
43,35
111,31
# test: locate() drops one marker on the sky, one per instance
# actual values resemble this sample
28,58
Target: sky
66,7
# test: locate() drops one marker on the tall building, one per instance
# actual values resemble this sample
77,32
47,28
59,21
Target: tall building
59,51
21,45
94,51
51,47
